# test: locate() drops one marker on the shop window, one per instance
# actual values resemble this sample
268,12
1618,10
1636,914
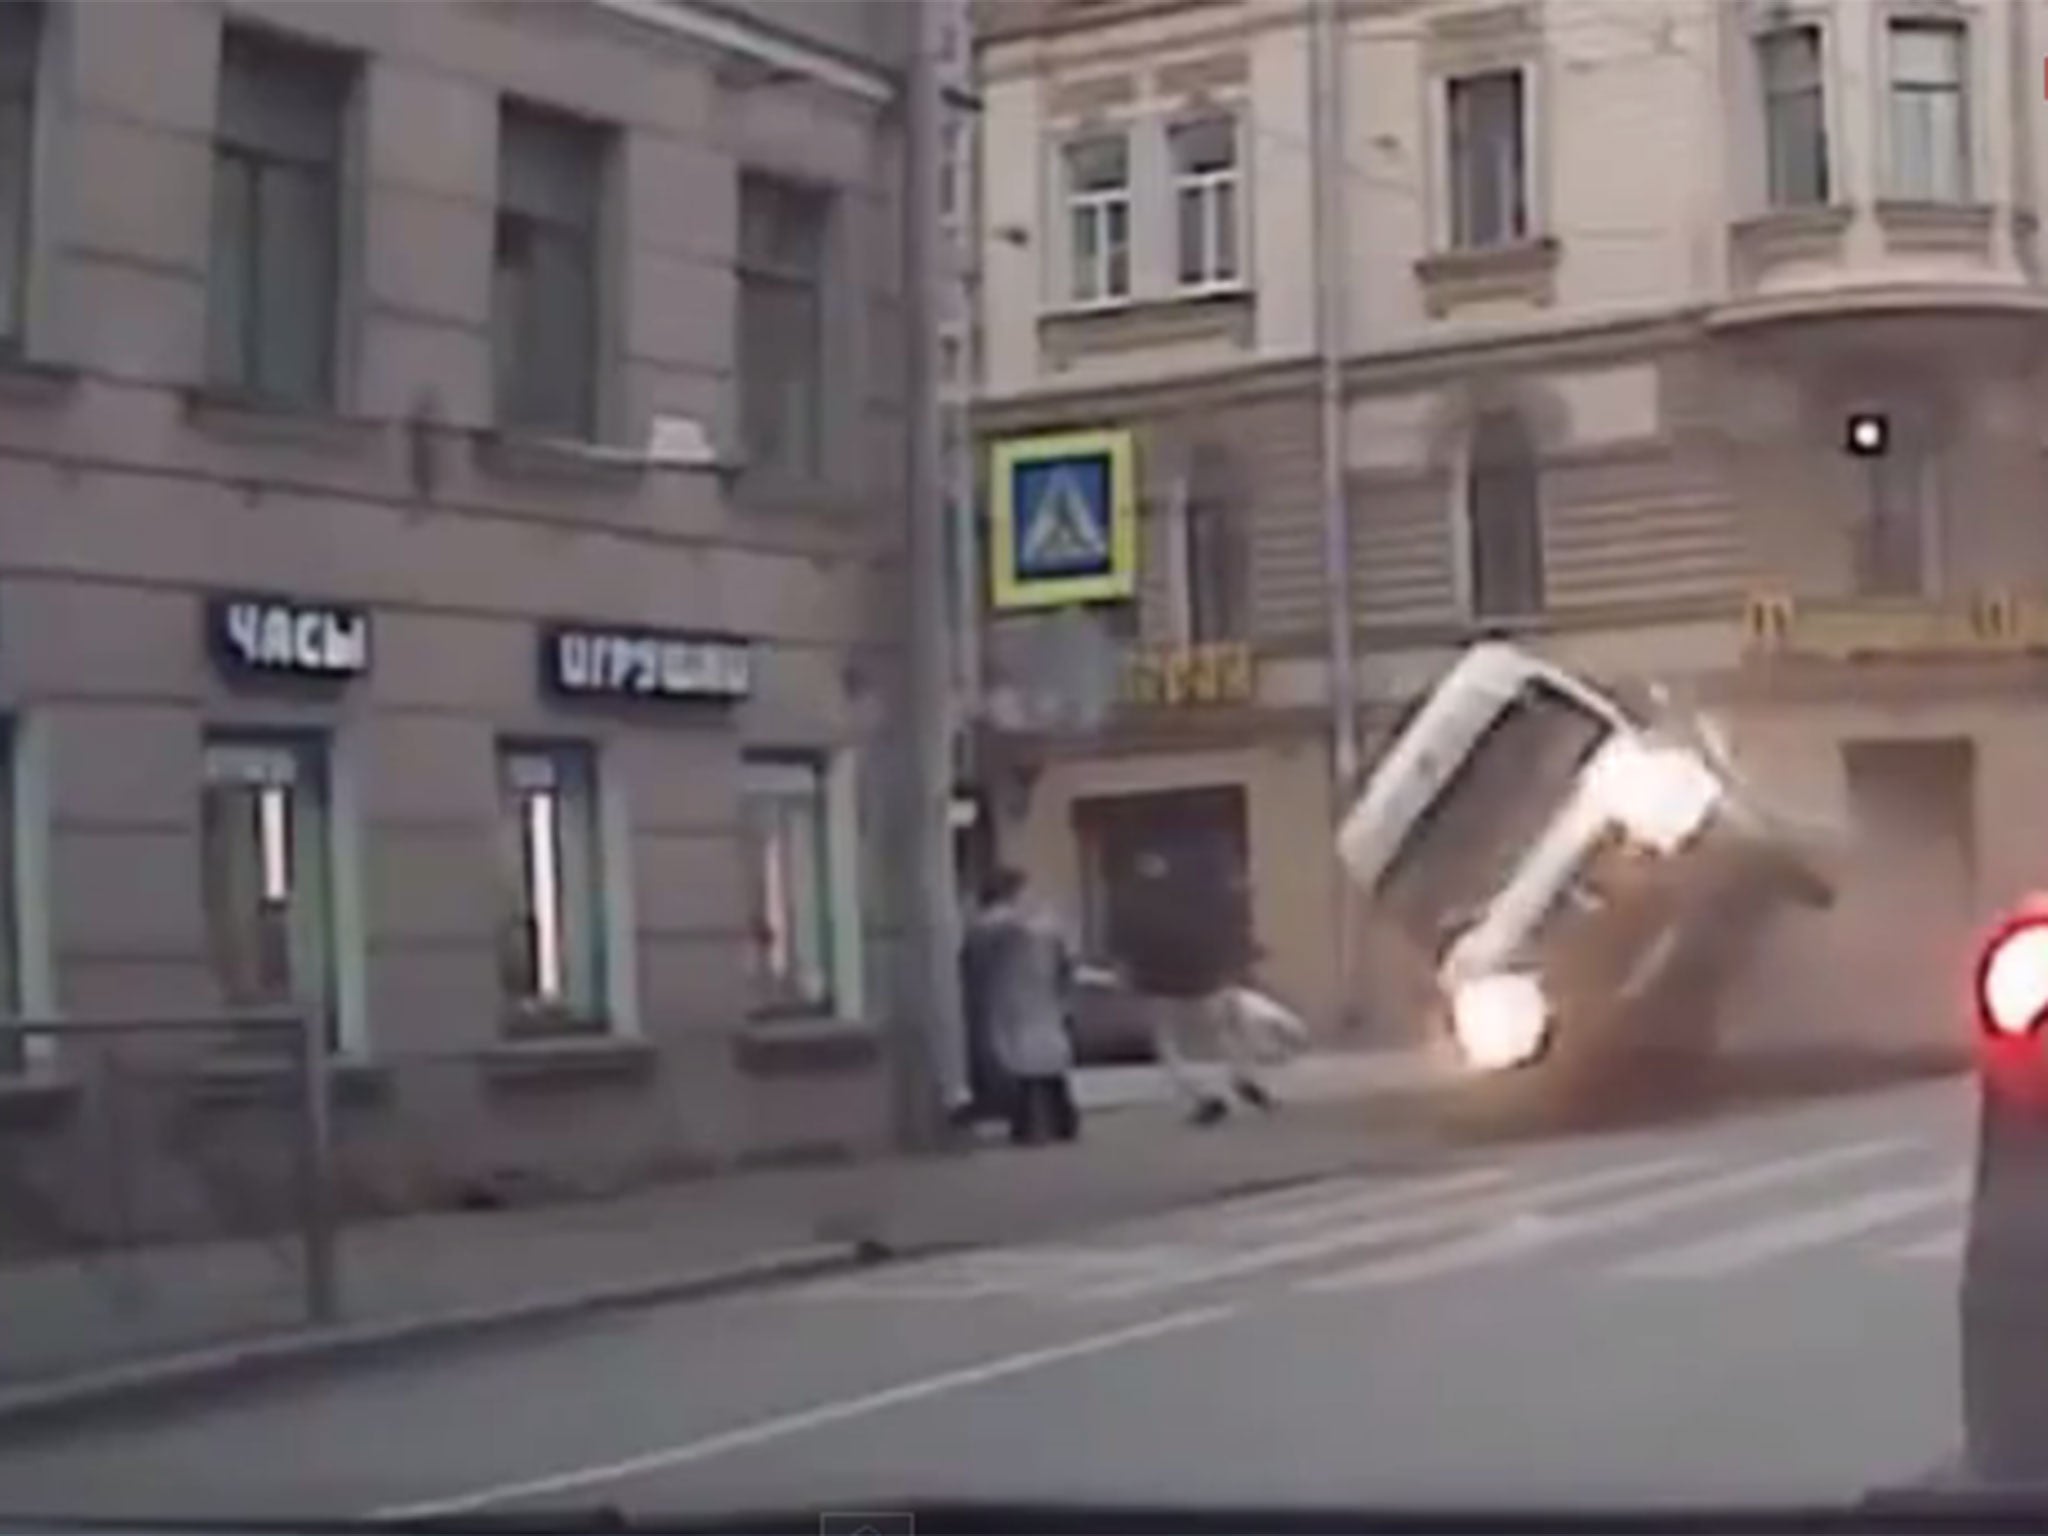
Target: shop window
265,862
790,852
551,950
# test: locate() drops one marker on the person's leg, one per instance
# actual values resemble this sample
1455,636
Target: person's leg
1066,1114
1174,1020
1240,1049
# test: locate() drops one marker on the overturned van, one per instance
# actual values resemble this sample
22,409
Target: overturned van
1580,877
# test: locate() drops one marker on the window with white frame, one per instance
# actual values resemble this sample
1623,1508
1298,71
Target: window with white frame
1789,67
789,846
1207,202
20,40
551,933
1486,123
266,885
1097,171
1930,110
1504,519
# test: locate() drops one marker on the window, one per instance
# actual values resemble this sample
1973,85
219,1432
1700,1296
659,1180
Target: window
782,259
1215,553
1489,172
1206,211
13,1048
1098,193
1795,117
20,29
265,857
1504,522
551,955
789,846
1893,539
273,285
1930,138
545,271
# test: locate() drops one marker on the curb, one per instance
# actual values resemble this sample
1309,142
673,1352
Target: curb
150,1382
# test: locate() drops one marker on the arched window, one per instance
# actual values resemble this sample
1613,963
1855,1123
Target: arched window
1503,519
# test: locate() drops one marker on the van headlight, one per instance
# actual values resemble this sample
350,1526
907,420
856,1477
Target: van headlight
1499,1021
1661,796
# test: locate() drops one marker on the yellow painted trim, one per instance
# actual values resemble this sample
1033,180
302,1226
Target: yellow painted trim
1011,593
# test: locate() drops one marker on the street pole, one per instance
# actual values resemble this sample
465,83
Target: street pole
928,996
1326,86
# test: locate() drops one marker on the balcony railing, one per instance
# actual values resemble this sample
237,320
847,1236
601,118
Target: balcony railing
1979,624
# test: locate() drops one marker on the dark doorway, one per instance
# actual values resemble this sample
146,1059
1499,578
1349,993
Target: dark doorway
1200,833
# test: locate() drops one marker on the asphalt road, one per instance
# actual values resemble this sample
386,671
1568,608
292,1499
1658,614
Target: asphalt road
1760,1308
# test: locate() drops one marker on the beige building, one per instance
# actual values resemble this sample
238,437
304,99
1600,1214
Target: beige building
453,464
1701,342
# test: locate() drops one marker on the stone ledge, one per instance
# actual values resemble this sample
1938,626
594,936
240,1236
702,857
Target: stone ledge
242,418
1525,270
1071,334
516,455
772,1047
1929,226
566,1060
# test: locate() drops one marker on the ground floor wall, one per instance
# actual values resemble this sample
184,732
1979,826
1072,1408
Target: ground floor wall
352,823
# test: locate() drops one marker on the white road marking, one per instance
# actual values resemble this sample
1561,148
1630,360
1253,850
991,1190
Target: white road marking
1520,1240
1003,1272
783,1426
1759,1242
1942,1247
1370,1233
1328,1207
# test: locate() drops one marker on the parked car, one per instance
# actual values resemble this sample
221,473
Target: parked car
1109,1020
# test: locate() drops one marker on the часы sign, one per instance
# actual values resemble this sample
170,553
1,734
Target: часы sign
281,637
586,661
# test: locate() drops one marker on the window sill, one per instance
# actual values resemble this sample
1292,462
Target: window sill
1211,314
562,1060
1926,226
787,1045
514,455
1524,271
25,381
35,1100
244,418
783,492
231,1080
1788,234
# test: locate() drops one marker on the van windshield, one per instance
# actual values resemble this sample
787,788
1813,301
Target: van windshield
1516,775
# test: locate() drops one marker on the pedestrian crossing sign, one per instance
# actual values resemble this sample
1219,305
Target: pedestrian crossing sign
1063,520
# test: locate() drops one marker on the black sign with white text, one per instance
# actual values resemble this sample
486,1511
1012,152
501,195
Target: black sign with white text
591,662
282,637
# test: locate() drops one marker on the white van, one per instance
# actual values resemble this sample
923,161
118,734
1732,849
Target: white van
1581,876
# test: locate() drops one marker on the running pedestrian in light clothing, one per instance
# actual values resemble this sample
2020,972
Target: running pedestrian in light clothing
1185,949
1019,973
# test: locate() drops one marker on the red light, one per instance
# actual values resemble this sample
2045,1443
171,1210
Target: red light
2012,978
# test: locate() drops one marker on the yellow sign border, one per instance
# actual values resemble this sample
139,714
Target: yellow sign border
1010,592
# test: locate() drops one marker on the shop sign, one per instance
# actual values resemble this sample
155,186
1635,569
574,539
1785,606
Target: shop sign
282,637
1180,675
1846,629
590,662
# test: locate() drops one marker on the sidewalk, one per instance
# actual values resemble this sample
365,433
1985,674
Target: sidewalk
230,1309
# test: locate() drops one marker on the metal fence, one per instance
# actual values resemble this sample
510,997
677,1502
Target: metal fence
164,1182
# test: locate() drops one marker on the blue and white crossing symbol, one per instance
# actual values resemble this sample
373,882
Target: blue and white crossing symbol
1063,520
